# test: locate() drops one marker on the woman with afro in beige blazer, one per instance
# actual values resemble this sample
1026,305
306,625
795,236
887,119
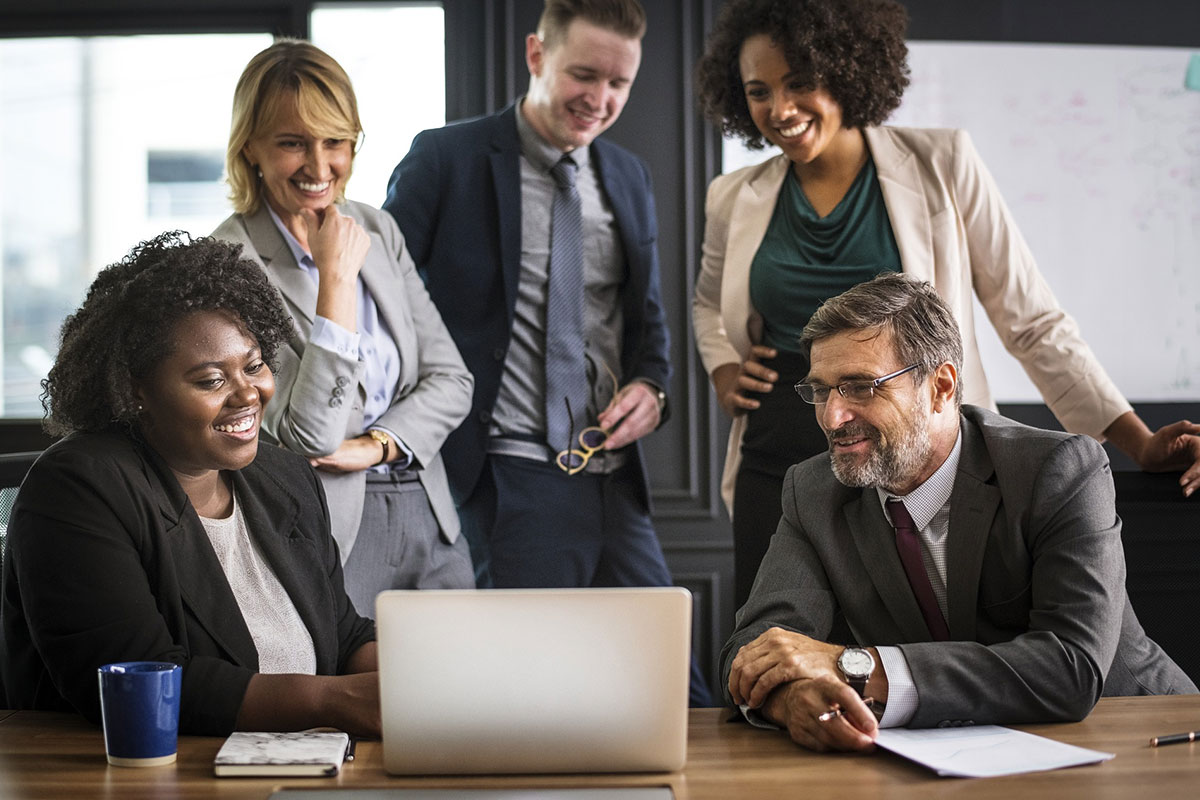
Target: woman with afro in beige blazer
847,199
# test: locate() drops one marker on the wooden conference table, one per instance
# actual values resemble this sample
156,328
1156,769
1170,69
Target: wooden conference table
50,755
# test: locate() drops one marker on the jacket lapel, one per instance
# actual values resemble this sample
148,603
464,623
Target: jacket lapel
271,514
294,284
973,507
391,299
202,585
506,183
748,220
904,197
876,542
628,225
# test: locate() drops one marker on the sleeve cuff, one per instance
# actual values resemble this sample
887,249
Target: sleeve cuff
406,458
902,692
756,719
331,336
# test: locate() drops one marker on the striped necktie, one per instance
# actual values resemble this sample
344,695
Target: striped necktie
566,367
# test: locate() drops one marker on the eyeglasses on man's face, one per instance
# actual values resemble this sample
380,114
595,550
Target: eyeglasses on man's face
854,391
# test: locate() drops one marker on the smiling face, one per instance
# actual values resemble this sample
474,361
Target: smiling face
887,441
801,120
299,169
578,87
202,406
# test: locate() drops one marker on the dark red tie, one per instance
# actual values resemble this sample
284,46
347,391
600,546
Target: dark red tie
909,547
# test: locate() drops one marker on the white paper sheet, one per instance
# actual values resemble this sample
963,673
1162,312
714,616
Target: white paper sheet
984,751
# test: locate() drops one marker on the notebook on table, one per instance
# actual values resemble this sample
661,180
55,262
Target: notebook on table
294,753
534,680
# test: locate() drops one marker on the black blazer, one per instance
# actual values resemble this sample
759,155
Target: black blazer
457,199
107,561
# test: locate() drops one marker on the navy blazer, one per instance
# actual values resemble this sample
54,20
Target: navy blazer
107,561
457,199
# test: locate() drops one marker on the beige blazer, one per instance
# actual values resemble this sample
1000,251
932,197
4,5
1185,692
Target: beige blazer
319,394
953,230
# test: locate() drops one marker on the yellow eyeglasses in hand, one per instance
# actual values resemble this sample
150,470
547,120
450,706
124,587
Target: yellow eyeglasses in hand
590,440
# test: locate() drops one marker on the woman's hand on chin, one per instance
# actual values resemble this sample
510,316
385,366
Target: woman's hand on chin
338,244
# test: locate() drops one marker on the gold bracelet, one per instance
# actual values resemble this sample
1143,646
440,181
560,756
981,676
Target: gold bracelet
384,442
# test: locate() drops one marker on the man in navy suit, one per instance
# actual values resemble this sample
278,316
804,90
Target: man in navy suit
474,201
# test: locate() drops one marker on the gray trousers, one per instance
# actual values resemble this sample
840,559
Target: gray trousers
400,546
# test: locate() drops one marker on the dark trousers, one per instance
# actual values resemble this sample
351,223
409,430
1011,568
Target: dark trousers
782,431
535,526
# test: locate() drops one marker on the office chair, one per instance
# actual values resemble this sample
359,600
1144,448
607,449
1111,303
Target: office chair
13,467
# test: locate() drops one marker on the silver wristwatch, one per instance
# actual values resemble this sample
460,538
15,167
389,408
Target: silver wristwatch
856,665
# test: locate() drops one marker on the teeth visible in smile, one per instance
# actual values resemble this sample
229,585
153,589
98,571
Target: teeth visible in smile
313,187
237,427
795,130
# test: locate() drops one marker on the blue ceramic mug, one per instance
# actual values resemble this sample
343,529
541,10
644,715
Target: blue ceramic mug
139,704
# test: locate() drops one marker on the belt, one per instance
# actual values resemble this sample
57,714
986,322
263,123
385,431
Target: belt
602,462
393,476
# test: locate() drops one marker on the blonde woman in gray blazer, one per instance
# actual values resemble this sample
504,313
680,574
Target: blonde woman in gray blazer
846,199
371,383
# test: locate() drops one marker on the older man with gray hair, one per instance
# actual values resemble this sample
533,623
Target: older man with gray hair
940,565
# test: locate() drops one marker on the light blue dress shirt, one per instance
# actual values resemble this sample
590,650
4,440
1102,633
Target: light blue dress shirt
373,344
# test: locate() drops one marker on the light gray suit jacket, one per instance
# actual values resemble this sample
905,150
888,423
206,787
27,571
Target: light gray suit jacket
319,394
1038,614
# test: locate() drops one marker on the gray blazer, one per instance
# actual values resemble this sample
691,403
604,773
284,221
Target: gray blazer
1038,614
319,394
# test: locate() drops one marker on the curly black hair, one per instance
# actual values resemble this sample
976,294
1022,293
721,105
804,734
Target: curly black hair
854,49
124,328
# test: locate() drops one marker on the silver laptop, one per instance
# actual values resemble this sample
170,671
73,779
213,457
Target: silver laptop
534,680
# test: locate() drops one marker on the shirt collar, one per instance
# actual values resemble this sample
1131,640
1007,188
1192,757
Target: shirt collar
298,252
926,500
541,153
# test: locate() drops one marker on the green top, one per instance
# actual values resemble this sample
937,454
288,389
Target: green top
805,259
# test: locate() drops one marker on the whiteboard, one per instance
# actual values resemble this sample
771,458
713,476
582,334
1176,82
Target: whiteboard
1096,150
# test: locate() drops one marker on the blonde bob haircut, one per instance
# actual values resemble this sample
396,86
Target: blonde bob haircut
291,70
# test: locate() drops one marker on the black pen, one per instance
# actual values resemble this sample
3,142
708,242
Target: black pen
1174,738
350,749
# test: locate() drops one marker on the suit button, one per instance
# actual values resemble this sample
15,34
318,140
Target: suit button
485,416
338,391
945,723
335,402
342,380
498,354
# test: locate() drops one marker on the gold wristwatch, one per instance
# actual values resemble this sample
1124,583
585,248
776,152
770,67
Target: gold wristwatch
385,442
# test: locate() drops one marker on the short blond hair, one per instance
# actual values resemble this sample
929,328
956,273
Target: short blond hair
624,17
289,70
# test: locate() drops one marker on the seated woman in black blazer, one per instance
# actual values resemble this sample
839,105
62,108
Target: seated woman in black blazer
160,528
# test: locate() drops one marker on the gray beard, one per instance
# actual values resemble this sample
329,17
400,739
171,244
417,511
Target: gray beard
890,466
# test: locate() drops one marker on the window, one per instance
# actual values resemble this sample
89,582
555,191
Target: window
102,140
395,57
106,141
